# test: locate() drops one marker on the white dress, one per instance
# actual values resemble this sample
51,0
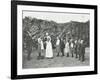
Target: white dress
66,48
49,50
42,46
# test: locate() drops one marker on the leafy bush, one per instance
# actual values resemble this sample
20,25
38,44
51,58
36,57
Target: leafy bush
38,27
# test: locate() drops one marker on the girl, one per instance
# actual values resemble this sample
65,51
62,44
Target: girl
67,48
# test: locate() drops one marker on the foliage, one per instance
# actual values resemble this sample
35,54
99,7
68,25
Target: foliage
38,27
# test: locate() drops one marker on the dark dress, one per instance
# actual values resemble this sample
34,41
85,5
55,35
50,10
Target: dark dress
62,46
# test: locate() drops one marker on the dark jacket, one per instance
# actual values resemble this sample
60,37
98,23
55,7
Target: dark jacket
82,48
62,45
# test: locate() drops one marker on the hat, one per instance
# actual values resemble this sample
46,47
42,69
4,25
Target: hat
46,33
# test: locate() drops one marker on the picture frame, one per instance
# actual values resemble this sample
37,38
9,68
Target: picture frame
18,9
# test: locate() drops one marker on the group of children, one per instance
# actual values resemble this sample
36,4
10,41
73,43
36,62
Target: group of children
71,47
68,47
64,47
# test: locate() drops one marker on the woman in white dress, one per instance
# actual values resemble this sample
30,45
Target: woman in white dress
49,50
67,50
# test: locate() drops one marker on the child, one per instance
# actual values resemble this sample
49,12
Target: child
67,48
58,46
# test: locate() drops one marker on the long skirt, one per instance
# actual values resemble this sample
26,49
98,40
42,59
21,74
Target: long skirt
49,50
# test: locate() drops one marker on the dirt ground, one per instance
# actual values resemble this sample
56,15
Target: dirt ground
55,62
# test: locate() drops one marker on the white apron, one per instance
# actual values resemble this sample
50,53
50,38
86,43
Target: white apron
49,50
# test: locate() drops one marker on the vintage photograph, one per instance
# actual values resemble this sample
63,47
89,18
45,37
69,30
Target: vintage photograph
55,39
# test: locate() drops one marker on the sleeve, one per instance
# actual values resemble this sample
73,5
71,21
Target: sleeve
50,38
38,40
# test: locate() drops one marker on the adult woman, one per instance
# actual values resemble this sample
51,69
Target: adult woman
49,50
67,48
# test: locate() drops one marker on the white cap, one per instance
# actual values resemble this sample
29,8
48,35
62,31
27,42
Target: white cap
46,33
